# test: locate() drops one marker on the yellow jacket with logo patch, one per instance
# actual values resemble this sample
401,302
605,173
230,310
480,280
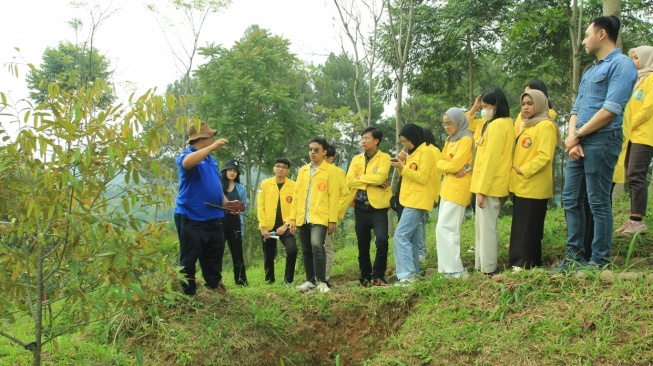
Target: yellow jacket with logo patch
370,178
437,175
418,186
534,152
493,160
454,157
269,197
325,195
637,124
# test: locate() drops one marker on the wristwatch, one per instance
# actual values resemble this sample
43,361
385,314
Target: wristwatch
576,133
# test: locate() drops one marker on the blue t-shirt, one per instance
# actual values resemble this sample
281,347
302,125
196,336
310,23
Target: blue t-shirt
607,84
197,185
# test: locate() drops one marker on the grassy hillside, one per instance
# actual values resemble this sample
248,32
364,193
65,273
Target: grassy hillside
513,319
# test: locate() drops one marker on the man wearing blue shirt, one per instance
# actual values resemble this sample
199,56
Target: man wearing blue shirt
198,225
594,143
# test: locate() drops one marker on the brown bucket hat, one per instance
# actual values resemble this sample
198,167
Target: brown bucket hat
205,131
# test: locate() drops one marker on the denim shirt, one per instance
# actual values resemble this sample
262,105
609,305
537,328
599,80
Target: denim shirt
607,84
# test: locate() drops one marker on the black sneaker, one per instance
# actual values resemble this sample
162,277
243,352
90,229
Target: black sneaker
365,283
379,281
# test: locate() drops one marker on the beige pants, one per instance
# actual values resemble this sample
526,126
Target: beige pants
487,237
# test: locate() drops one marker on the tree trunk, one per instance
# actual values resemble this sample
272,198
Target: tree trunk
613,7
470,69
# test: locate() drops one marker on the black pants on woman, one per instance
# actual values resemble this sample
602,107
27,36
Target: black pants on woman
526,233
234,238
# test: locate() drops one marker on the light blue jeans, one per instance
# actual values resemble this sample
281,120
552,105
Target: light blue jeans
592,174
422,236
406,243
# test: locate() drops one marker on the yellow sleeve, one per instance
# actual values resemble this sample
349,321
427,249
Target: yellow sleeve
496,136
260,206
545,150
645,112
333,190
426,163
462,155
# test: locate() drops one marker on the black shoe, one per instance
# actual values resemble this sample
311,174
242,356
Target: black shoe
365,283
379,281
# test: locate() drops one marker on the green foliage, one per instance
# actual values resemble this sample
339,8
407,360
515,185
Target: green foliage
75,250
71,67
256,95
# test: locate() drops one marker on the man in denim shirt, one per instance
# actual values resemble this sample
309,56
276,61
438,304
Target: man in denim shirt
594,143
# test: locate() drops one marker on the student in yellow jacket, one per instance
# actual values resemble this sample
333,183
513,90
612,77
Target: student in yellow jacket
432,146
638,120
535,84
491,171
531,180
417,195
454,194
314,211
273,205
370,194
344,201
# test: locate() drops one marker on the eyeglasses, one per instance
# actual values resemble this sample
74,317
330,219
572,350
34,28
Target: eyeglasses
282,167
366,138
404,141
314,149
447,124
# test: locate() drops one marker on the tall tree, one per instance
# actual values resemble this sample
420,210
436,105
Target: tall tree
68,65
258,96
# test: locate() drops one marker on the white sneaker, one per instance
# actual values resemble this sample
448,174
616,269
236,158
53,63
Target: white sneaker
622,227
471,250
404,282
306,286
322,287
516,269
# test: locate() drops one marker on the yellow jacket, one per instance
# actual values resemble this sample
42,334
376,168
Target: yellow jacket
454,157
343,201
269,197
437,175
474,122
519,124
370,179
418,186
637,124
534,152
493,158
325,195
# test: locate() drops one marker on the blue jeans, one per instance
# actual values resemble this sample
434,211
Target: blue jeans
406,242
311,238
591,175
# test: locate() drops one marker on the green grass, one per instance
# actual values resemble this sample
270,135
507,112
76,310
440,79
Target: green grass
529,318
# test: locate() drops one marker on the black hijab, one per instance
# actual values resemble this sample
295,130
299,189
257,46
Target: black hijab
414,134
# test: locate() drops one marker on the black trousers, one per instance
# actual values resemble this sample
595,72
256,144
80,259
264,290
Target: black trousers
203,240
638,158
270,252
234,238
368,220
526,232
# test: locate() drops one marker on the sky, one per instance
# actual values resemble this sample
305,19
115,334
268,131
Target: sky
134,42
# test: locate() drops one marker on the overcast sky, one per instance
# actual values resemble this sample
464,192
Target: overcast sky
135,44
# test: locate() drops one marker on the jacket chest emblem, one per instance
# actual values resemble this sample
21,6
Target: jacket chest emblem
413,166
374,170
526,142
288,199
322,187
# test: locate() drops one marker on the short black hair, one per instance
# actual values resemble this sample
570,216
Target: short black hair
495,97
376,133
610,23
320,140
331,151
282,161
541,86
